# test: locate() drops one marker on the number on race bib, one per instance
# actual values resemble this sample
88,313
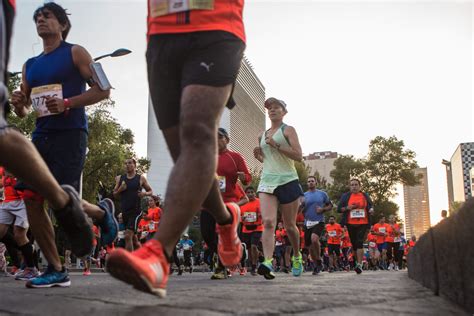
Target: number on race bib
165,7
359,213
332,233
39,96
222,184
382,230
250,217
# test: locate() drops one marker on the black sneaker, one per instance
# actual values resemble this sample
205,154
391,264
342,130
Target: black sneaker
74,223
266,270
358,269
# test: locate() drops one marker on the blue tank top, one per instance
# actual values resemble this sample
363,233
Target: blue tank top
57,67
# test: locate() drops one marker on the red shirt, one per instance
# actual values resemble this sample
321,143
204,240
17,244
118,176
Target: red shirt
302,244
226,15
372,239
227,167
300,219
346,240
335,233
95,229
251,217
280,235
8,183
381,228
393,233
155,215
361,202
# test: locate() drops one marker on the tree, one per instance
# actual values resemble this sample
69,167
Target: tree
303,172
345,168
25,125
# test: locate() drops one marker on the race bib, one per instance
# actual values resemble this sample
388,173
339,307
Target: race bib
359,213
144,234
310,224
151,226
278,243
266,188
382,230
221,180
186,247
39,96
121,234
397,239
250,217
165,7
332,233
372,244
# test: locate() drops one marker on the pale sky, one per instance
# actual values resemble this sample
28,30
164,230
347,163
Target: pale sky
348,70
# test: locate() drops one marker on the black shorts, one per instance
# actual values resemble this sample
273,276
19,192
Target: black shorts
288,192
174,61
316,229
131,219
64,153
334,249
357,235
252,238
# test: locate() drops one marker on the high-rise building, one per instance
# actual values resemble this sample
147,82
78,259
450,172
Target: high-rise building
244,123
417,206
458,173
322,162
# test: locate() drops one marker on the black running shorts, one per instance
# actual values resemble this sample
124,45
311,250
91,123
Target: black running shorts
316,229
357,235
174,61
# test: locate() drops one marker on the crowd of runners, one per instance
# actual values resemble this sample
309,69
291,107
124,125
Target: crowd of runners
193,56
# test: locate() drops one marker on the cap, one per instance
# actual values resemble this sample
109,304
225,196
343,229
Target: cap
275,100
223,132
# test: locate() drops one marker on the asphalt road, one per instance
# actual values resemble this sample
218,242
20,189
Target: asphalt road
341,293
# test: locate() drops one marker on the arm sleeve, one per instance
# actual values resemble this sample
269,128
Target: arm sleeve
342,202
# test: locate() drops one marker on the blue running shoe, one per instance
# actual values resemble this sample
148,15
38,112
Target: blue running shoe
50,278
109,226
266,269
297,265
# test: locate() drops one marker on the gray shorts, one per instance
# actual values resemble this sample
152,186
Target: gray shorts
14,213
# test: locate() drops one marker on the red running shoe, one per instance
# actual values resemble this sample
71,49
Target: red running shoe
229,246
146,269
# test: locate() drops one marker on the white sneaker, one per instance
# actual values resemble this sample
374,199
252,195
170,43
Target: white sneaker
396,268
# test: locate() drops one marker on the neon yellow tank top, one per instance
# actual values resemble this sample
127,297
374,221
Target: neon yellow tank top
278,169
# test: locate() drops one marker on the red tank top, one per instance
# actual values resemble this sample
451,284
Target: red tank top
9,189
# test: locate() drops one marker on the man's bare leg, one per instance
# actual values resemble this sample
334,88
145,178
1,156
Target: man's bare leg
201,107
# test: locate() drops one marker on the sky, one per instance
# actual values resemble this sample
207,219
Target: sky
348,70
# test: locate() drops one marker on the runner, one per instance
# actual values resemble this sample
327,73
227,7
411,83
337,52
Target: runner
393,243
280,246
153,215
335,234
231,167
192,68
252,227
380,230
346,248
279,186
401,250
91,257
129,188
186,245
59,97
314,204
142,232
13,212
356,207
374,254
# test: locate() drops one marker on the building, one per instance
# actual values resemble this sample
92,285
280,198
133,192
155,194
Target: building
245,122
322,162
459,173
417,206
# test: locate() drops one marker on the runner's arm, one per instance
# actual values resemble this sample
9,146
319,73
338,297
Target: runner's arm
294,151
243,171
20,99
146,186
257,151
82,59
115,192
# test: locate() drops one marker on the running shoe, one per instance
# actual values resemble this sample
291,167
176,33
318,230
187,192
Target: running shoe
266,269
27,274
358,268
87,272
74,222
146,268
297,265
253,272
229,246
243,271
109,226
220,273
396,268
50,278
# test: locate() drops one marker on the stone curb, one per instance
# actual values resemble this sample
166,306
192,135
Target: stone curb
443,258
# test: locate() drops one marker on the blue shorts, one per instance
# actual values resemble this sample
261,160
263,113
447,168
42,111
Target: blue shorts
64,153
289,192
382,247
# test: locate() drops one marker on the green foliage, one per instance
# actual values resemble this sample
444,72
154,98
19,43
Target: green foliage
455,206
256,174
27,124
346,167
385,208
303,172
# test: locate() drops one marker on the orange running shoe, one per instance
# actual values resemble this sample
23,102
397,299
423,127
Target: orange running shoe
229,246
146,269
